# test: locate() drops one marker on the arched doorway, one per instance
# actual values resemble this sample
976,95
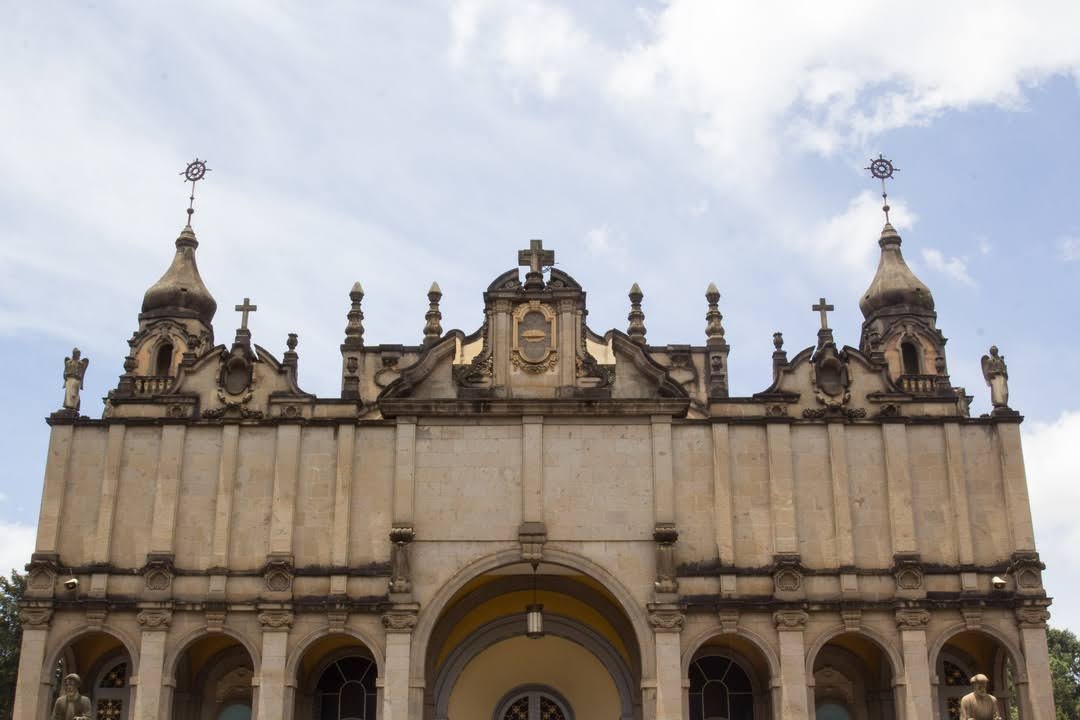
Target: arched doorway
337,679
728,677
535,702
213,680
104,666
479,655
854,679
966,654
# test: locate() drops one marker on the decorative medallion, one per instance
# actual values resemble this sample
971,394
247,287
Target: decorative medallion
534,338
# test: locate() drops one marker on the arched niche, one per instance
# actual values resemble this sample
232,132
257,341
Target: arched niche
212,674
105,662
742,653
857,673
334,674
962,652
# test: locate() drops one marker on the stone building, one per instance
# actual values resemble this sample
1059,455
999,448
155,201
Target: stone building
534,520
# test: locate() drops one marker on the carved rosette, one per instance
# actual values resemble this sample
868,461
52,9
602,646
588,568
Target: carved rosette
276,620
912,619
787,573
158,573
36,618
399,621
790,620
155,619
908,573
1032,617
278,574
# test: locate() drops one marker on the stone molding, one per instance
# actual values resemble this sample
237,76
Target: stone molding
401,620
729,621
852,619
95,616
972,617
155,619
790,620
215,620
35,617
1032,617
279,620
912,619
666,618
158,572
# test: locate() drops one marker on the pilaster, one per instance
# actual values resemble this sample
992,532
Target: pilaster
52,494
404,471
286,471
663,475
841,495
275,640
155,626
918,696
1017,502
781,489
532,469
346,443
167,488
898,480
107,500
958,496
230,441
399,623
791,627
723,510
667,621
31,687
1031,620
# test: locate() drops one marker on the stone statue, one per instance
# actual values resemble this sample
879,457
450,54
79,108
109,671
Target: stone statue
74,369
979,704
997,377
71,705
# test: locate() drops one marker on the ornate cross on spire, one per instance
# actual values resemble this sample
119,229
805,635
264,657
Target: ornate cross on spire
244,309
883,170
536,258
824,309
193,173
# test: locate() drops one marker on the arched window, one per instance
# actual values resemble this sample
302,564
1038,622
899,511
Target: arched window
720,690
346,690
910,356
111,693
163,366
533,703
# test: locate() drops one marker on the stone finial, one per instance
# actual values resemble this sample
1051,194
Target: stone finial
714,328
433,318
778,340
354,328
291,357
779,356
636,329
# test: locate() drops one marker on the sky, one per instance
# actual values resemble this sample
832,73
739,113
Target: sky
671,144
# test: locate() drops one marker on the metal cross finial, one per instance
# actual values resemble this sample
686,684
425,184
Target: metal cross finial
536,257
244,309
824,309
883,170
194,172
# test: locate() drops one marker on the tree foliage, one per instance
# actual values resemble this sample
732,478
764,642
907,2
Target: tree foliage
1065,670
11,592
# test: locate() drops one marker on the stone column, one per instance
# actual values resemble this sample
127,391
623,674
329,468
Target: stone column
791,624
918,697
31,688
275,645
148,686
52,494
667,622
399,623
1040,688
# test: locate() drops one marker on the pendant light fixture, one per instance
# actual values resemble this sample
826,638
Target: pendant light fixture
534,613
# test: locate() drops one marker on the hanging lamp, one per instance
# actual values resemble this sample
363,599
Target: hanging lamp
534,613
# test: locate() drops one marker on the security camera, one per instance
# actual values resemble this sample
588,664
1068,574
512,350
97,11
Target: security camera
998,582
71,583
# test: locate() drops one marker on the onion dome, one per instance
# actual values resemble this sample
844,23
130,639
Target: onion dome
180,292
894,285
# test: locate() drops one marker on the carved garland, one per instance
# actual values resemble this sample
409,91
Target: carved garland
532,336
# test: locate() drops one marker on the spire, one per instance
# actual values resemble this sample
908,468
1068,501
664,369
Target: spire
433,318
354,328
716,346
895,286
636,329
180,292
714,327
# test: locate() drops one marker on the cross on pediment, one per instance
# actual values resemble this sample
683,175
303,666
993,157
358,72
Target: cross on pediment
823,308
536,257
244,309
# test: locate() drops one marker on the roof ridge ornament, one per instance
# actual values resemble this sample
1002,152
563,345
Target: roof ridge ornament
194,172
536,258
883,169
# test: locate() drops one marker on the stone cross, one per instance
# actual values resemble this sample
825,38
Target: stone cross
536,257
824,309
244,309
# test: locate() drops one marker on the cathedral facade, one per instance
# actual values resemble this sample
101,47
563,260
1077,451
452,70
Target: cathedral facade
535,521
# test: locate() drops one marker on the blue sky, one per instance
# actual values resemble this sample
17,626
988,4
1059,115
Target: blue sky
671,144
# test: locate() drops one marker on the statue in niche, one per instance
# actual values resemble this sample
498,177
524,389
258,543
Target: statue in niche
997,377
74,370
71,705
979,704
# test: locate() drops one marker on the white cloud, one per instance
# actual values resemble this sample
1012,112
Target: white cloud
16,546
749,81
1052,457
1070,248
954,267
599,240
984,246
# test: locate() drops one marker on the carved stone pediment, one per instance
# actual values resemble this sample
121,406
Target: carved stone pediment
533,338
